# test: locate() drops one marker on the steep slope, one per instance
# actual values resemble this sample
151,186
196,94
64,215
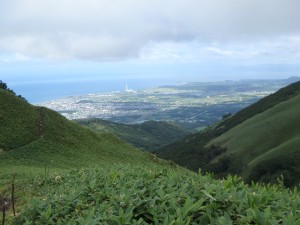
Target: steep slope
17,117
220,156
262,105
39,137
148,135
265,145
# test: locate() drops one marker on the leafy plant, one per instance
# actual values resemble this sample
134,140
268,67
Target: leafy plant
119,194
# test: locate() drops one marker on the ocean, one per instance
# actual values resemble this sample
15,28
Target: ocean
40,92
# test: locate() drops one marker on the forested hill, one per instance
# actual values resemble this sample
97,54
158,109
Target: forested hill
149,135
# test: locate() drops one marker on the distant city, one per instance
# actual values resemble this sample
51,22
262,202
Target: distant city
194,104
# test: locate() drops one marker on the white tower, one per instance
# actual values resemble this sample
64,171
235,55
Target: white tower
128,90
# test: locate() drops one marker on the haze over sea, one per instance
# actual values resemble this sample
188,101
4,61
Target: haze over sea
43,91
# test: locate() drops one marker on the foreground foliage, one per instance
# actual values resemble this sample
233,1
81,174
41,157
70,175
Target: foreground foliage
154,195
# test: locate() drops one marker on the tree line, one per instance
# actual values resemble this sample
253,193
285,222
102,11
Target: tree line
4,86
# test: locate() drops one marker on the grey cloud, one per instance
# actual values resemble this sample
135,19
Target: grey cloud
118,29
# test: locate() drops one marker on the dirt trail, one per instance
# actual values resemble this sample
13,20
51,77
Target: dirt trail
41,122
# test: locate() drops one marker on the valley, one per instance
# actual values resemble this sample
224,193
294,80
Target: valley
148,135
62,173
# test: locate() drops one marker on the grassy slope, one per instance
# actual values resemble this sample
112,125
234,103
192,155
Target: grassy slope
38,137
265,137
265,131
14,121
148,135
192,151
262,105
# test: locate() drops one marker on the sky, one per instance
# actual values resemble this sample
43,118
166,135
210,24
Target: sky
99,45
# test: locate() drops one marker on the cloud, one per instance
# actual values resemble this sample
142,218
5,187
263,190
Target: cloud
122,29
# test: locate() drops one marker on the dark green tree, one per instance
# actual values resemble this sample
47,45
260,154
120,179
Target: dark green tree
3,85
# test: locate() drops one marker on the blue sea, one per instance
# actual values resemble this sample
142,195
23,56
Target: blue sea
40,92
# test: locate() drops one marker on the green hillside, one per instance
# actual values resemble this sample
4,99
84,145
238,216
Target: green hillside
67,174
17,117
38,137
262,133
262,105
266,145
148,135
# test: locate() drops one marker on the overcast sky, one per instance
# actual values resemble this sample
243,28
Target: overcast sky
183,40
